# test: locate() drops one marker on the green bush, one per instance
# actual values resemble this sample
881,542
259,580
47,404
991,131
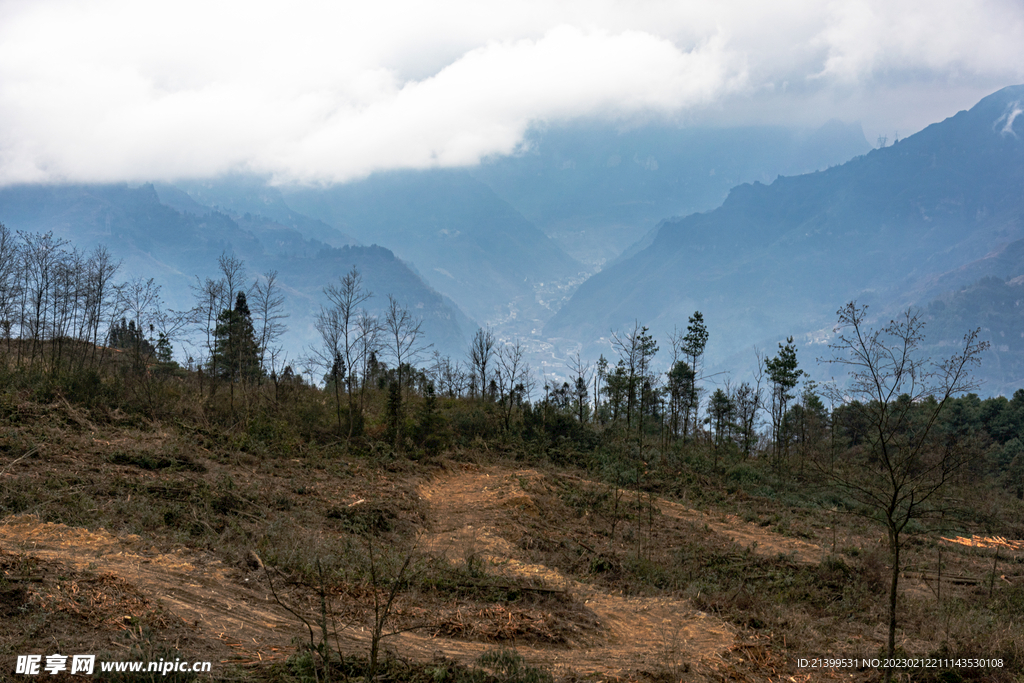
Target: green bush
743,474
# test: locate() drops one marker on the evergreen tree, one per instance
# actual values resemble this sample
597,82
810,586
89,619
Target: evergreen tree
681,395
693,345
784,375
236,356
126,336
722,412
164,352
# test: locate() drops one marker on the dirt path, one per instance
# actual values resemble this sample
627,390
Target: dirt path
214,600
470,512
748,535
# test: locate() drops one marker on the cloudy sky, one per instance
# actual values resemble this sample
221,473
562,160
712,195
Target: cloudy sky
326,91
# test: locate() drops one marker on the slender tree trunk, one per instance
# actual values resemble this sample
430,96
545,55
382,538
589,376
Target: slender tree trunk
894,549
337,403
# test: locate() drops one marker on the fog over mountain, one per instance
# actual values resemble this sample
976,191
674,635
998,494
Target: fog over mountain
919,221
324,93
779,259
596,189
463,230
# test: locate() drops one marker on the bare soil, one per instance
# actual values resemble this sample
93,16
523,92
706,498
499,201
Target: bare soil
228,613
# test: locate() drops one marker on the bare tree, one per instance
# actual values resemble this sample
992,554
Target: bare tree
141,303
748,399
900,394
99,299
328,354
580,370
41,254
512,378
346,297
268,311
403,338
210,296
233,269
368,338
448,376
10,285
481,349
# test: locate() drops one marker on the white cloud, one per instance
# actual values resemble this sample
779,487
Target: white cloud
324,92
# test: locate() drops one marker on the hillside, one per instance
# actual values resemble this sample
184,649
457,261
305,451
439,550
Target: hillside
779,259
469,244
597,189
146,517
176,241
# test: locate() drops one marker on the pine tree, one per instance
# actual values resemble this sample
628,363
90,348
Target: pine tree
693,345
236,356
784,375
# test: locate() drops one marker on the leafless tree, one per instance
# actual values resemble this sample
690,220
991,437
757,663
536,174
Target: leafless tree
481,349
368,343
10,285
903,467
748,399
210,296
99,298
403,338
512,377
346,298
329,354
580,371
41,254
233,270
267,306
449,377
141,303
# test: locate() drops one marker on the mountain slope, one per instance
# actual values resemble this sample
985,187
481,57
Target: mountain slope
779,259
596,189
241,195
468,243
175,247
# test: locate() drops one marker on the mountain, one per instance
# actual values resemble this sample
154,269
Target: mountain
177,245
238,195
596,189
469,244
780,259
993,305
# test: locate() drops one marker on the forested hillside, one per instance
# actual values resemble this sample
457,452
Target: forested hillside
773,260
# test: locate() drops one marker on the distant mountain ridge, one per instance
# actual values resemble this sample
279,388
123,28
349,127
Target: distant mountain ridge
467,242
596,189
175,245
780,259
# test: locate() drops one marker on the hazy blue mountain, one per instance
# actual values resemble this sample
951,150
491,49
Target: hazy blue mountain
239,195
596,189
780,259
466,241
994,305
175,245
